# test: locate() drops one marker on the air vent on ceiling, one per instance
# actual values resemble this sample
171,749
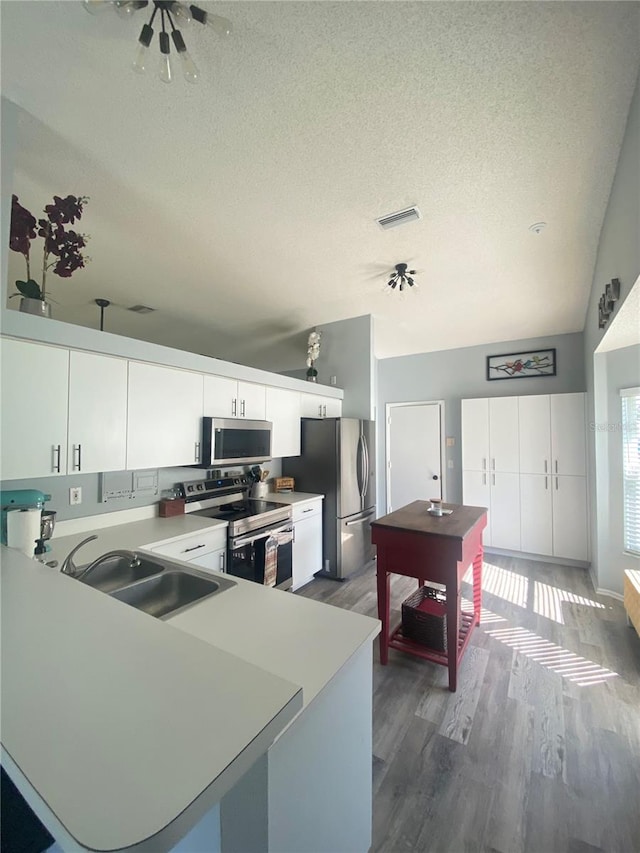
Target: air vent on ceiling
141,309
410,214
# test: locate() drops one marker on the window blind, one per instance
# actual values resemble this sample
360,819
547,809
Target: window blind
631,468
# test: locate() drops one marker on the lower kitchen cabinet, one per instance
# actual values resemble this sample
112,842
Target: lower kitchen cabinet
206,549
570,534
307,541
536,513
500,493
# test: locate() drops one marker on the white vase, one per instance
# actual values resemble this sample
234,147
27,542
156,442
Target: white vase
35,306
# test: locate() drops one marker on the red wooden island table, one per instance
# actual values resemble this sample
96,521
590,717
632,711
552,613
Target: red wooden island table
411,541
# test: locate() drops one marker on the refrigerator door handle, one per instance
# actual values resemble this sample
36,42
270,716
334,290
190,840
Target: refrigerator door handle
365,447
360,472
360,520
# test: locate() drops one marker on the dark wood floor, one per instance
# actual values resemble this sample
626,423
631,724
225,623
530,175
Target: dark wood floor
539,749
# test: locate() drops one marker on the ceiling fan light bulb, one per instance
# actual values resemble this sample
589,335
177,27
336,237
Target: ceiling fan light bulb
189,68
221,26
164,69
182,14
95,7
140,59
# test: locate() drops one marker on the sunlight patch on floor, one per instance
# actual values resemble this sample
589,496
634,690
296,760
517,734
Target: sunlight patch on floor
548,601
570,666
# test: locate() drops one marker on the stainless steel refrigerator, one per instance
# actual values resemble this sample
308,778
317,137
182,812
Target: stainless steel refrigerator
338,460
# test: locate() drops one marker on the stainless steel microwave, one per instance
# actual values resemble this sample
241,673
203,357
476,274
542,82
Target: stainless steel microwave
230,441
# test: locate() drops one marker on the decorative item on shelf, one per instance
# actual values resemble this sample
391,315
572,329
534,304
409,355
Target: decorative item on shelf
607,302
521,365
401,279
173,15
64,244
313,352
171,504
102,304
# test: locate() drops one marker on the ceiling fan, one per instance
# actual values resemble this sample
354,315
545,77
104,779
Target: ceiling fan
402,278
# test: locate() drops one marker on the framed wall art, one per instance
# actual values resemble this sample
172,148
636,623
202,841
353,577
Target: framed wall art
522,365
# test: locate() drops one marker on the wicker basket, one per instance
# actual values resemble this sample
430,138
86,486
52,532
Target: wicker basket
424,618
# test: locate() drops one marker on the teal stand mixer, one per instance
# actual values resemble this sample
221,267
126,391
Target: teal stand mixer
23,499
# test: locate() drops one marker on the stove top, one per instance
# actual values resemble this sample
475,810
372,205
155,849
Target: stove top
227,500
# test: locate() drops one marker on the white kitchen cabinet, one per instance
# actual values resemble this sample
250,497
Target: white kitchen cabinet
475,434
97,413
317,406
570,533
307,541
35,396
568,434
553,434
505,510
477,492
536,513
283,410
490,434
230,398
535,434
164,418
206,549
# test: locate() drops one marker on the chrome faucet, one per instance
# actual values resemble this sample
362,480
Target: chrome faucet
68,567
133,558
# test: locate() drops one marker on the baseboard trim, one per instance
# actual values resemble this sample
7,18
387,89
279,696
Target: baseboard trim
617,595
539,558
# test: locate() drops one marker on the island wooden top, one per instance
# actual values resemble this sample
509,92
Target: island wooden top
414,518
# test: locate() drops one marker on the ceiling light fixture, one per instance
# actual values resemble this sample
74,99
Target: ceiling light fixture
173,14
401,278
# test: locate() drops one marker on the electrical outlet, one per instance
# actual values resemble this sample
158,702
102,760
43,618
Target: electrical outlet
75,496
334,380
450,463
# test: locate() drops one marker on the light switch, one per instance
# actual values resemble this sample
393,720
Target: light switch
451,441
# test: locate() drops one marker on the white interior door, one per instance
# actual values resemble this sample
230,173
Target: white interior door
414,454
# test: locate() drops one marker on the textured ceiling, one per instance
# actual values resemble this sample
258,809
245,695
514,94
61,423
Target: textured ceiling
244,208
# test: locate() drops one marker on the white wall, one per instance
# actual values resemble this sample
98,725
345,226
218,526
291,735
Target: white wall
618,257
452,375
346,352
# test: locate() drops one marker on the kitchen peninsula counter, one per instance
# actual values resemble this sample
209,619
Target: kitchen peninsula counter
125,731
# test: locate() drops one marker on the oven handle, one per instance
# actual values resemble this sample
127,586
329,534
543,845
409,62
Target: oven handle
261,534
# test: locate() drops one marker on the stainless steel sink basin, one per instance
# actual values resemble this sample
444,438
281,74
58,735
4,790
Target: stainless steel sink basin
170,591
116,572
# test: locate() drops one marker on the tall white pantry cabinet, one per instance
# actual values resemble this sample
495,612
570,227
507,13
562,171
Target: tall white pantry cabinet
524,458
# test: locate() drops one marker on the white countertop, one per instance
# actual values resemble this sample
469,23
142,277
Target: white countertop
100,700
133,535
292,497
121,723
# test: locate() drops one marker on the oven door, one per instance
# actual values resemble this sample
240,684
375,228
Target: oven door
246,558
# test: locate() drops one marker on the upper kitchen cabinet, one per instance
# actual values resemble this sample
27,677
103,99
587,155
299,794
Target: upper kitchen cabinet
229,398
490,434
568,434
164,418
35,389
283,410
97,439
553,434
316,406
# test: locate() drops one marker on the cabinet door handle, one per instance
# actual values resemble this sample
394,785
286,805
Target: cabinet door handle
556,484
242,408
556,466
197,454
546,483
56,458
234,407
222,562
320,411
493,463
193,548
484,479
546,466
484,463
324,411
77,465
493,479
307,510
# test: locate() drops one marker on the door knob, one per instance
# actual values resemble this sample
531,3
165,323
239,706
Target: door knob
435,477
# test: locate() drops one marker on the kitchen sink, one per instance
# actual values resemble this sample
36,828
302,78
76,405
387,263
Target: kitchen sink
117,572
170,591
